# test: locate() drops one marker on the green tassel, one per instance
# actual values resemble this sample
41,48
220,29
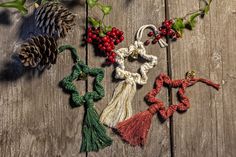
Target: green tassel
94,133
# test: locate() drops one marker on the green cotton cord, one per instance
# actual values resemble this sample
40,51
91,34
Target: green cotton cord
94,133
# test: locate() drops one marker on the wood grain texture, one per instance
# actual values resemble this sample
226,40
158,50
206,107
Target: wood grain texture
36,119
129,16
208,128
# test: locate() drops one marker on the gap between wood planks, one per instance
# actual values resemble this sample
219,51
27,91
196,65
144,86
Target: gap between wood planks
169,72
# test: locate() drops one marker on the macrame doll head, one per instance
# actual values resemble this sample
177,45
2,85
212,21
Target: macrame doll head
119,108
135,129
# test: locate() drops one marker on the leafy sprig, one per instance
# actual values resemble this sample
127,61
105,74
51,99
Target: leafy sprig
19,5
189,20
106,10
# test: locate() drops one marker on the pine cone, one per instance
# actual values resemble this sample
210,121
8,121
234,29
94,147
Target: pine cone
55,20
39,51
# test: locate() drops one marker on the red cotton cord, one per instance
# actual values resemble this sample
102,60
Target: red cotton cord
135,129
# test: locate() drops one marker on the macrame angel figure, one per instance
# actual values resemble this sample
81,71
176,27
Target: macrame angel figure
119,108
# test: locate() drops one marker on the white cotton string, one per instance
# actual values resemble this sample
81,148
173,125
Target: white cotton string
119,108
139,35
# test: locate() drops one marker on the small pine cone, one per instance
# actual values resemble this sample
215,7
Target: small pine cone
39,51
55,20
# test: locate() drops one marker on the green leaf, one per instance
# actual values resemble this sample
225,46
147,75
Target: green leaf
178,25
95,23
102,34
92,3
17,4
190,24
106,9
108,28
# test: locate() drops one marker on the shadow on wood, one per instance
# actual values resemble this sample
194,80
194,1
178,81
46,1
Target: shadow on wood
5,17
12,70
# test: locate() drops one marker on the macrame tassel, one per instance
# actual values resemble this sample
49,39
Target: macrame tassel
119,107
94,133
135,129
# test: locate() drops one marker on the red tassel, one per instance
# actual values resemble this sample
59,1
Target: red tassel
135,129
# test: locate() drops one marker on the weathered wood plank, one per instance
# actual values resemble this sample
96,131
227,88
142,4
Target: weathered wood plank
129,16
208,128
36,119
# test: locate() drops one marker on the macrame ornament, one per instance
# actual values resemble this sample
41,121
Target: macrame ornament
94,133
39,51
54,19
119,108
135,129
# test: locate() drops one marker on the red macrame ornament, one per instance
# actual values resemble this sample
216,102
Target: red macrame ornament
135,129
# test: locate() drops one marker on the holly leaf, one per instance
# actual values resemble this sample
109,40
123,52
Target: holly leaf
92,3
178,26
95,23
106,9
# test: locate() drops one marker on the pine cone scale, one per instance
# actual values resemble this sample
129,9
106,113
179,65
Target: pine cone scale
39,51
55,20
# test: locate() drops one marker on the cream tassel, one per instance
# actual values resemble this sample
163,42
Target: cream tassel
119,108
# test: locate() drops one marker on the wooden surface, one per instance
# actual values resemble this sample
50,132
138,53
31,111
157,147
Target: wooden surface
37,121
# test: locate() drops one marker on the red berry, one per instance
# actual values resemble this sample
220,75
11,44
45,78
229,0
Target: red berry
90,34
113,29
108,33
163,32
103,48
90,29
150,34
122,38
89,40
94,36
105,38
113,34
100,46
154,41
109,48
106,44
113,54
121,33
117,41
147,42
158,37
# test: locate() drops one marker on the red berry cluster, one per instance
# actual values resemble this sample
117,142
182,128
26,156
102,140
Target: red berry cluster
165,30
105,44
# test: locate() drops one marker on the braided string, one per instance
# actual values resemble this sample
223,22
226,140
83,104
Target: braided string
119,108
94,133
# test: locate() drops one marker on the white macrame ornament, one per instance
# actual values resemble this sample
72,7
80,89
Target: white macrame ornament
119,108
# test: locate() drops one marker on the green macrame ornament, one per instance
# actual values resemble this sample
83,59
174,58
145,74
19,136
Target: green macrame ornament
94,133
